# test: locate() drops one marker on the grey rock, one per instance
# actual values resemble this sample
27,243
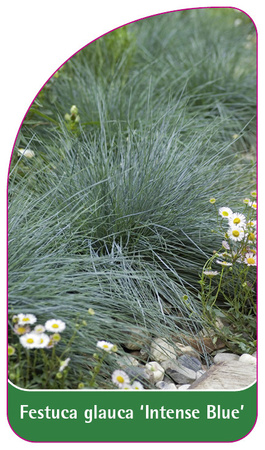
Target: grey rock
180,378
138,374
178,373
219,357
191,362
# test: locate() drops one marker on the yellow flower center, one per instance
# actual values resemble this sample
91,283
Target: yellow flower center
55,325
225,213
235,233
41,341
120,379
250,260
237,220
30,341
25,319
21,330
105,346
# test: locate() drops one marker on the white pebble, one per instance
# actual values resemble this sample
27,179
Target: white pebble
184,387
155,371
220,357
248,359
161,350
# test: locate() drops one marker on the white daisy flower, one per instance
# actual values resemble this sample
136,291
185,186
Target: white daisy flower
26,319
21,329
119,377
237,219
224,263
225,212
253,205
253,194
64,364
29,340
210,273
126,387
236,233
106,346
39,329
42,340
250,259
55,325
137,386
246,201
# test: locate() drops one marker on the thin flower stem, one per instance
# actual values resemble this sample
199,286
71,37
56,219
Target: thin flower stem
96,371
28,366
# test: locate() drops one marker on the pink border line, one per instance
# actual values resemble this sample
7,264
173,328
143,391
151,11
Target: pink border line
104,34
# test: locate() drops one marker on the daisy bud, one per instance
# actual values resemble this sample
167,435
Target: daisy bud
74,110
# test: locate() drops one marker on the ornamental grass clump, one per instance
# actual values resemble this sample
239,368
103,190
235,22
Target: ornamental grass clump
108,202
229,293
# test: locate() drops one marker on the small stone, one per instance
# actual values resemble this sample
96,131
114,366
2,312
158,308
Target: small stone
166,386
185,350
138,374
155,371
219,357
191,362
161,384
248,359
144,353
136,339
170,387
178,373
183,387
161,350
